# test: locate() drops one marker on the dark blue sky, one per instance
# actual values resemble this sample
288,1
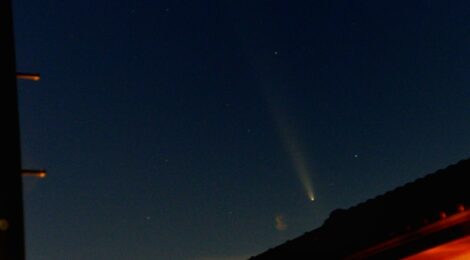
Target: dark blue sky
178,129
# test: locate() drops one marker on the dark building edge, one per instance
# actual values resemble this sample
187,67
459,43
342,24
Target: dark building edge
396,212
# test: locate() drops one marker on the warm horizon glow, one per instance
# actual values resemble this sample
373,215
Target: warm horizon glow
456,250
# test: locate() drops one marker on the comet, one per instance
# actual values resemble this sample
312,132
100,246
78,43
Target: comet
297,157
274,102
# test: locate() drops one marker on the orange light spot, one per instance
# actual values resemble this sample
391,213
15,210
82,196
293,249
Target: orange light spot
34,173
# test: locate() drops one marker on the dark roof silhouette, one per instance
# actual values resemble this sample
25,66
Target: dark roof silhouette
369,229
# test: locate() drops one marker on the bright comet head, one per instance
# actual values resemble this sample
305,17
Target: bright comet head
311,197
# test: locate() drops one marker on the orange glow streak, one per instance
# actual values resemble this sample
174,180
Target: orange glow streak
28,76
456,250
37,174
453,220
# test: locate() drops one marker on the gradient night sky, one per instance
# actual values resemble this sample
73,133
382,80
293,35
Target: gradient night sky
176,129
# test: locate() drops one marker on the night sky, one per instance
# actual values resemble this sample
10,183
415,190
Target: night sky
197,129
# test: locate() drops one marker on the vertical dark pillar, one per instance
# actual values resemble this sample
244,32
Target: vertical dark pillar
11,198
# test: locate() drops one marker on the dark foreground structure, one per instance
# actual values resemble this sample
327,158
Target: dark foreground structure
11,198
426,219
